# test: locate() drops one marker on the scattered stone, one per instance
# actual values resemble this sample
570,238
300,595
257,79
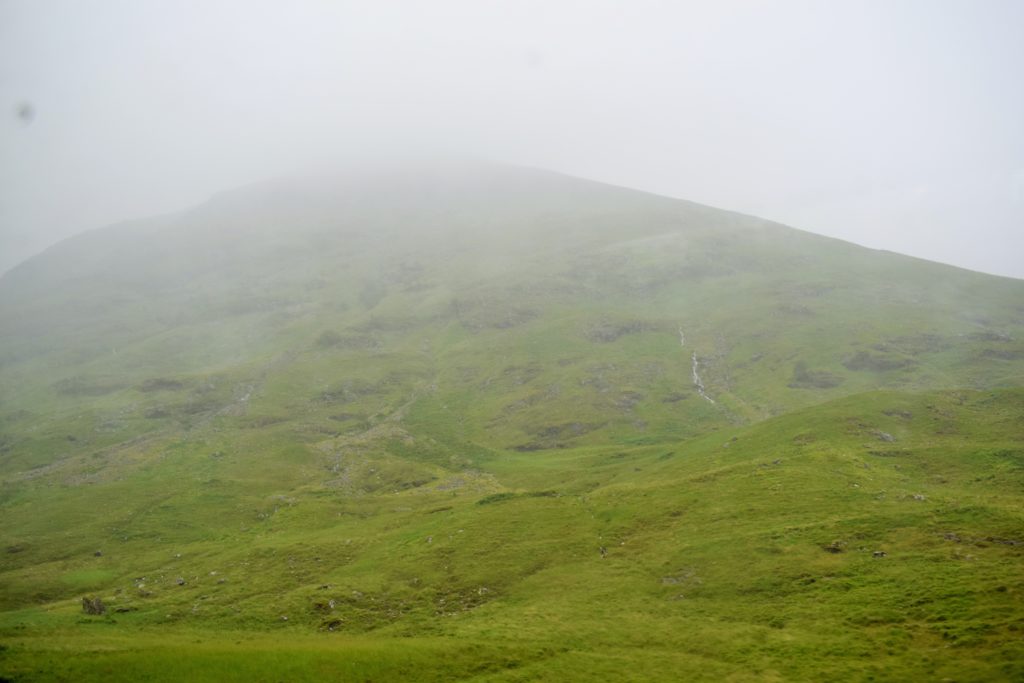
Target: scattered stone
603,551
1004,541
93,606
950,536
884,436
284,618
834,547
98,553
919,496
684,575
333,624
878,553
180,581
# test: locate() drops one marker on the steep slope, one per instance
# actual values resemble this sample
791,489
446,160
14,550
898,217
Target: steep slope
545,308
403,404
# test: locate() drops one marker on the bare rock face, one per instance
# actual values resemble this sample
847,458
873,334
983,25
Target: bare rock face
93,606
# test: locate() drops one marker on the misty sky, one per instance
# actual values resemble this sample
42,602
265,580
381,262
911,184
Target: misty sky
894,124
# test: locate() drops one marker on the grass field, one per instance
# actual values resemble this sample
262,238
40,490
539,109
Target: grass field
455,451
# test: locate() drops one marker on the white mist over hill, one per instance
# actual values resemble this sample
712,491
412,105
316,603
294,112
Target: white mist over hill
894,125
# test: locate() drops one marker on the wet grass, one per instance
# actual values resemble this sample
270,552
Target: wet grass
404,454
714,558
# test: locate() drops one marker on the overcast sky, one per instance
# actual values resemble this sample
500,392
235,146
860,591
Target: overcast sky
893,124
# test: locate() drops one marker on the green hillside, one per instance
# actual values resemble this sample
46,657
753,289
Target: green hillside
474,422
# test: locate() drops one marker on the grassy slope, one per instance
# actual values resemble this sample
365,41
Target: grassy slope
445,437
715,559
